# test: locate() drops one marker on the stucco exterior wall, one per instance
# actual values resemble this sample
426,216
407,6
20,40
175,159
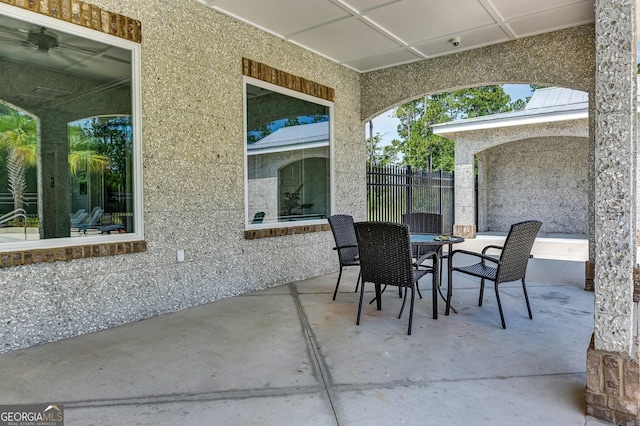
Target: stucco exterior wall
531,60
193,185
538,178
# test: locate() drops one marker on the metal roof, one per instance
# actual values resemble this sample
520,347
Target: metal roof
292,137
546,105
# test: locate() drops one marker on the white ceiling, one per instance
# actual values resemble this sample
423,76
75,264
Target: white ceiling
366,35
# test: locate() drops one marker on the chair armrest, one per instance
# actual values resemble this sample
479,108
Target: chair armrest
427,255
472,253
484,250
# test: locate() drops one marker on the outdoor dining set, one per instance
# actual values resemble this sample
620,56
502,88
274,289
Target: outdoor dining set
400,254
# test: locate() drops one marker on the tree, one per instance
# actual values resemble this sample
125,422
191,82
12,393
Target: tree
19,138
110,148
418,145
377,154
82,153
292,121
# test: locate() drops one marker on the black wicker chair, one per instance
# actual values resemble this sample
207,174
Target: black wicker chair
424,223
385,259
510,266
344,235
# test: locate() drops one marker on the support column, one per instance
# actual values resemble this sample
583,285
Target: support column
482,201
53,178
590,265
612,358
464,189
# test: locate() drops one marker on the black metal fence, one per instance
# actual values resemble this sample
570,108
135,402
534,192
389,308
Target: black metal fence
30,202
393,191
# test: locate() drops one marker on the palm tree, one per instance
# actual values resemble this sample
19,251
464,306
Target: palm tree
82,156
19,137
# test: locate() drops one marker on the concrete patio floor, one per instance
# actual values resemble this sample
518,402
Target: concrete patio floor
290,355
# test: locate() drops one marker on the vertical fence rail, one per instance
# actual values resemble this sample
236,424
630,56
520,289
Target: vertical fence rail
393,191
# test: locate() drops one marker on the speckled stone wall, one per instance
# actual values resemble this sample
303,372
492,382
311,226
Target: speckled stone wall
615,174
193,185
536,167
534,60
538,178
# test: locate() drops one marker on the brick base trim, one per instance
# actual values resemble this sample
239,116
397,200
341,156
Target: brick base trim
28,257
279,232
613,387
465,231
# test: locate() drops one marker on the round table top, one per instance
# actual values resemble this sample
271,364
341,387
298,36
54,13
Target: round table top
435,239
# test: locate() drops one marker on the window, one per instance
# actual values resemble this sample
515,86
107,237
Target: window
70,145
288,156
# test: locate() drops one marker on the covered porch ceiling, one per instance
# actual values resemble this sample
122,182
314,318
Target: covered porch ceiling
366,35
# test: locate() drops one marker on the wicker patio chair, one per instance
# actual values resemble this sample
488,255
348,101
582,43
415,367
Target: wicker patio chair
424,223
510,266
344,235
385,259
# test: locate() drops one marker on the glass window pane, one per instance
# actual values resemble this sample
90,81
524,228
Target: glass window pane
66,134
288,158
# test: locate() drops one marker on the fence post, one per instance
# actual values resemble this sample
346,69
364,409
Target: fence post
441,192
409,192
453,201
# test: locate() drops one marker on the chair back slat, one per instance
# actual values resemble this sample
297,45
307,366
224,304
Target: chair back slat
344,234
516,251
423,223
385,253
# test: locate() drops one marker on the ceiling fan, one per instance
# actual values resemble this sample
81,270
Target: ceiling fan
42,39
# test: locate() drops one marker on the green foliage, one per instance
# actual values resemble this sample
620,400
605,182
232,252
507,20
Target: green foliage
292,121
32,222
98,145
82,152
19,141
110,145
290,203
379,155
418,143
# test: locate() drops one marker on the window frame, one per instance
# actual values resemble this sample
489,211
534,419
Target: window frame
302,96
136,120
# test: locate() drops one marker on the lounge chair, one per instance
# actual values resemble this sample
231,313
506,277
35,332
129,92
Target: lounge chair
78,217
94,220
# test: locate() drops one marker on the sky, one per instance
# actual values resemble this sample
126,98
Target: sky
387,125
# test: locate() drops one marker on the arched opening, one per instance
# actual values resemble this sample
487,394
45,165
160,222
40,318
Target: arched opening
300,192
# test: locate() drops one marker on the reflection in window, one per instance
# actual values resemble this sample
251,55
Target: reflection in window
288,156
100,164
67,139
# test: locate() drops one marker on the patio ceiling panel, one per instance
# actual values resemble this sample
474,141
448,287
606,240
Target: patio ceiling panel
510,9
345,39
283,17
379,60
416,20
557,18
481,37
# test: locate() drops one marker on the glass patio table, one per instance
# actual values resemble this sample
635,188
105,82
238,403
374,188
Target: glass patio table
438,240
